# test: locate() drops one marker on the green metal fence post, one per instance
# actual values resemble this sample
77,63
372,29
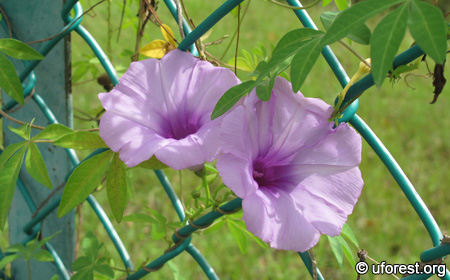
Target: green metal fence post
30,21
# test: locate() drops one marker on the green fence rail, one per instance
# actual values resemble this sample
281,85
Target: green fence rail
182,237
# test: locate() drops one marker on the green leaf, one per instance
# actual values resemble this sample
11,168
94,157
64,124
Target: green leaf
17,49
55,277
241,224
9,81
116,187
360,34
8,259
336,248
53,132
354,16
21,131
348,252
348,233
81,140
16,248
42,256
83,181
341,4
239,235
8,179
81,263
84,274
325,2
36,166
428,27
386,40
152,163
140,218
90,246
158,231
288,46
303,62
231,97
263,91
161,219
45,240
216,226
174,269
104,269
9,151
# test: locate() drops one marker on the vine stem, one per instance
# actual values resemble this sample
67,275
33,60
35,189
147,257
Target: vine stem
221,62
205,184
29,270
7,21
355,53
235,32
237,39
19,121
180,18
37,126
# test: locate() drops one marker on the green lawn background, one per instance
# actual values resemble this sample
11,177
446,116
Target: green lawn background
416,133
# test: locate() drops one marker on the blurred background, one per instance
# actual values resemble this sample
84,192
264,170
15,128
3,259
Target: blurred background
385,224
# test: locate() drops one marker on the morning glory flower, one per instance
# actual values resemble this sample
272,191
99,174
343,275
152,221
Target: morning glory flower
163,108
298,177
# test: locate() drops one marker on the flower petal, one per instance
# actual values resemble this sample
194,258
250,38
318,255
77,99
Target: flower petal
236,173
192,150
134,142
341,189
341,147
274,217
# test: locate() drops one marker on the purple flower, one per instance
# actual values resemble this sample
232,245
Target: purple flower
163,108
297,176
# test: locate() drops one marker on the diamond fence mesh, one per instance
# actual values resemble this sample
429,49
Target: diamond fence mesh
182,238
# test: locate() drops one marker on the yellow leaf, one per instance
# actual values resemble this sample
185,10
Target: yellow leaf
168,34
154,49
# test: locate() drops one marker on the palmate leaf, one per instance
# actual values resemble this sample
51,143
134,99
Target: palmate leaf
303,62
17,49
336,248
36,166
21,131
231,97
9,81
116,187
348,233
288,46
152,163
341,4
83,181
386,39
8,178
9,151
53,132
354,16
428,27
80,140
238,235
360,34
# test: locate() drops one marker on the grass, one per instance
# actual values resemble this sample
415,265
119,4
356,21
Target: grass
383,220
